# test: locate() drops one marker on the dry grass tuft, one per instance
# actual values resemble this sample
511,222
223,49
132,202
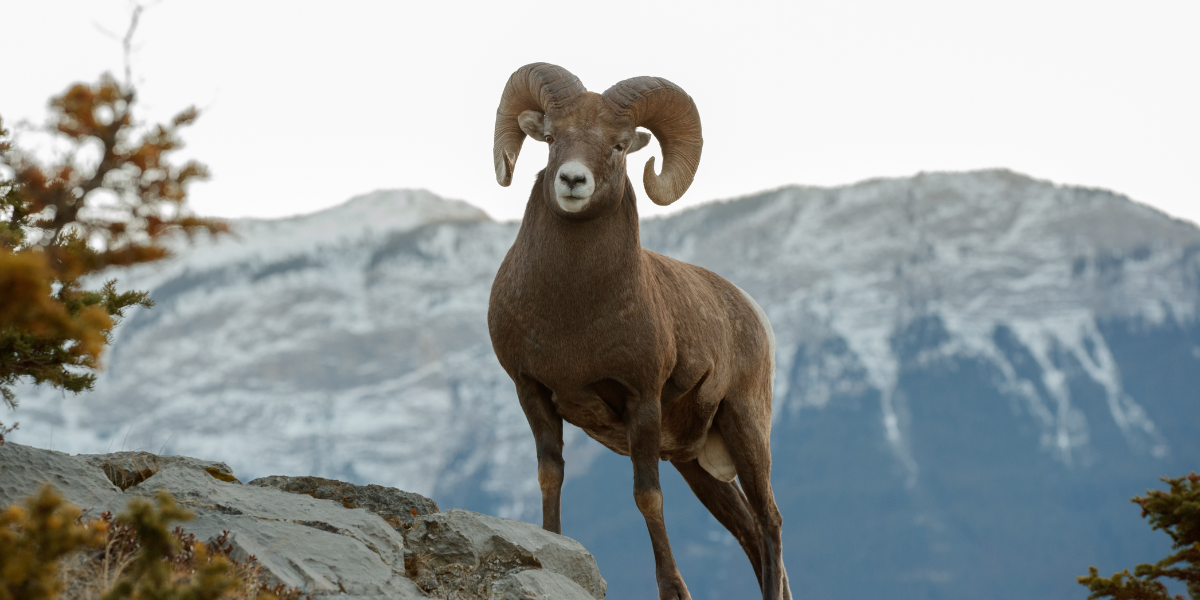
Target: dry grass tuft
47,551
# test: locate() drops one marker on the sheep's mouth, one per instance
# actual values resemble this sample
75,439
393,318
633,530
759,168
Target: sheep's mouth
572,203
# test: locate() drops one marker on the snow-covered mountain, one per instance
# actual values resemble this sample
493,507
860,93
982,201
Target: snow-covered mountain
966,362
984,257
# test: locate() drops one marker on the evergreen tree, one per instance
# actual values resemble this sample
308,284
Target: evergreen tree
1176,512
67,219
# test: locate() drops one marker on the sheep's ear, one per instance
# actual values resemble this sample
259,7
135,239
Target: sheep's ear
639,141
533,124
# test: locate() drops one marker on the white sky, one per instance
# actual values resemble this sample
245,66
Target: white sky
305,105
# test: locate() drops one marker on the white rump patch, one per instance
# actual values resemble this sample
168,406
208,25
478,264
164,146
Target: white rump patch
766,324
573,196
714,457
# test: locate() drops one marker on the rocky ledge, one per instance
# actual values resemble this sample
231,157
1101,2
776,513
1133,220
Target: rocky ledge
328,538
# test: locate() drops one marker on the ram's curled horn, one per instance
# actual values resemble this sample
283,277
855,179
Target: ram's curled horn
536,86
671,115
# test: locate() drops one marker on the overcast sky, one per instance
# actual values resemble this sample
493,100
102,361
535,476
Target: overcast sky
305,105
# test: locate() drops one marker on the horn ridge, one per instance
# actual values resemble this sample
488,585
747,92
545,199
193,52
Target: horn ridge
536,86
671,115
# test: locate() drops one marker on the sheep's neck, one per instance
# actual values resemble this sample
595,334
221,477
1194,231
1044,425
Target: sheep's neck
596,256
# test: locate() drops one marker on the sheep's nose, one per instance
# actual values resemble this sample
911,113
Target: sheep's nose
573,185
573,179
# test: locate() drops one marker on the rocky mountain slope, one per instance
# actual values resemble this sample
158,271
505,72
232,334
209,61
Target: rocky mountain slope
975,372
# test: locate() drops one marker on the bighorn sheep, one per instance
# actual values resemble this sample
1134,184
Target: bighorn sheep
652,357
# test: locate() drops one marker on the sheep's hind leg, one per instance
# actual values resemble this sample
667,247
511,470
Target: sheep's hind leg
642,422
727,503
746,428
547,426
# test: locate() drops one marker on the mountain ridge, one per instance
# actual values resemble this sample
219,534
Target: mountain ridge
927,327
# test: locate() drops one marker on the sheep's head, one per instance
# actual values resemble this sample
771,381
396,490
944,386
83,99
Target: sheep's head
591,134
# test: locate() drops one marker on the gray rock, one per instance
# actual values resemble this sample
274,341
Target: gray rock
129,468
538,584
323,536
314,544
459,552
397,507
23,469
415,594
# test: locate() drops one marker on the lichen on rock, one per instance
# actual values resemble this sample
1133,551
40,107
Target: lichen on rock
397,507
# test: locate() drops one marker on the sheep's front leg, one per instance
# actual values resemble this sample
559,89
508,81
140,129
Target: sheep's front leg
547,428
642,423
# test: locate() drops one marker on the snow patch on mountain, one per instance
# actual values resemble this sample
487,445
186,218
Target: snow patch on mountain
361,218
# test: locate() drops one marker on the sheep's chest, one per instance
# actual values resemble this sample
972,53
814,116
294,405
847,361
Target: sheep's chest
572,343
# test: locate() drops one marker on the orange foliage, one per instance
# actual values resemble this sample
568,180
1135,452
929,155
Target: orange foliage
63,221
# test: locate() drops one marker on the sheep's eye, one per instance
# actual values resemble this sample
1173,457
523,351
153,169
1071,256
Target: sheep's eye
619,147
549,139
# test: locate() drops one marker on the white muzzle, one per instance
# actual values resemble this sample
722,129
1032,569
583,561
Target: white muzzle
573,186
